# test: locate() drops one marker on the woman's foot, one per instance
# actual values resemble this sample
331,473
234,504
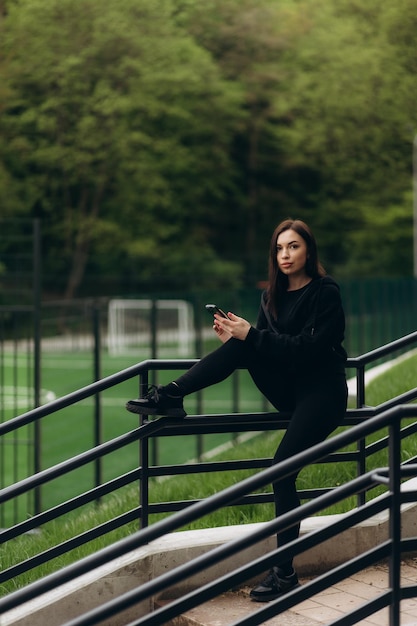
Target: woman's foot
157,402
274,585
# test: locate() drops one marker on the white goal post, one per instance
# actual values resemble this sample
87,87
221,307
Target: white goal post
130,326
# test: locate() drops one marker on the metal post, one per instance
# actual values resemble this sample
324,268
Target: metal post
395,520
154,355
37,355
144,465
98,427
361,444
154,330
199,349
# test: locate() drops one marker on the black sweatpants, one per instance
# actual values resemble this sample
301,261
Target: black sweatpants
317,404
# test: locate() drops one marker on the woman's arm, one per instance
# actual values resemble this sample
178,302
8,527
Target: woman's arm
322,329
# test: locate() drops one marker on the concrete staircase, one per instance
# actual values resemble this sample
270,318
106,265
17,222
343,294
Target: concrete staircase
130,571
230,607
333,603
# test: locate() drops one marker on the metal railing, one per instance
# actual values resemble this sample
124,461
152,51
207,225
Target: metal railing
262,422
391,549
357,418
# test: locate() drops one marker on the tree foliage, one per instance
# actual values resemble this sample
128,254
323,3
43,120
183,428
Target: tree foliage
162,140
115,114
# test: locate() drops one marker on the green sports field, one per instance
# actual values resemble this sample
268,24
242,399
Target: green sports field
72,430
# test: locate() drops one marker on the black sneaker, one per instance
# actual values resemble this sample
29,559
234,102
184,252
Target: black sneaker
157,402
274,585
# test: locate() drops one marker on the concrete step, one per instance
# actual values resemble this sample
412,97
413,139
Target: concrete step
136,568
228,608
331,604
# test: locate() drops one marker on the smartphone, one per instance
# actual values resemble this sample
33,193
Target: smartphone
212,308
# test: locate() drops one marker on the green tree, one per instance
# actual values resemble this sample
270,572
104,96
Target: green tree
330,93
249,40
349,105
118,127
161,140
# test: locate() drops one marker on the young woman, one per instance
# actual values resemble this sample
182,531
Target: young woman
295,357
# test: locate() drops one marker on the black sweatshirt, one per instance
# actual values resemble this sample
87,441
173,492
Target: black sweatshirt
308,333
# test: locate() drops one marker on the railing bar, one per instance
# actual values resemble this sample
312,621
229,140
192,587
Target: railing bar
260,617
70,544
409,544
160,364
382,444
383,480
381,351
264,498
92,389
369,608
408,430
244,464
234,422
76,462
343,435
409,591
158,529
69,505
403,398
259,498
62,468
227,581
395,521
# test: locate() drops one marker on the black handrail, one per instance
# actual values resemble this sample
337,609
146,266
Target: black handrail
210,423
213,423
358,363
90,390
389,418
61,509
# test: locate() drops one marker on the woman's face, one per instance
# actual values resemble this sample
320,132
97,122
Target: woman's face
291,254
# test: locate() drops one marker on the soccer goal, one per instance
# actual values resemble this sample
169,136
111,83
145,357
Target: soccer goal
130,326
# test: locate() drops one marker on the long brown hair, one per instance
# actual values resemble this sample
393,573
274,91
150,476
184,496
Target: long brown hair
278,282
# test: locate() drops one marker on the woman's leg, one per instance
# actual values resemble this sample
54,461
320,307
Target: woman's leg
273,384
319,410
215,367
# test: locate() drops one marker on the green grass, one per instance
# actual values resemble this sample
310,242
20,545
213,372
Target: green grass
192,486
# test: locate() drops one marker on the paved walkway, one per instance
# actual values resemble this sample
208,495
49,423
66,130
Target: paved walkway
352,592
323,608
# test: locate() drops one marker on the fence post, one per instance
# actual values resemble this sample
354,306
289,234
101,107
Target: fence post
395,519
154,355
37,355
98,426
361,444
199,350
144,465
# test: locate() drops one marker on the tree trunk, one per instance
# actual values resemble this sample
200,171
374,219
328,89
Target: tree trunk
83,244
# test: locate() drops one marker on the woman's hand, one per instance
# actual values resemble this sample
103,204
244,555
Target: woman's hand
233,326
222,334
